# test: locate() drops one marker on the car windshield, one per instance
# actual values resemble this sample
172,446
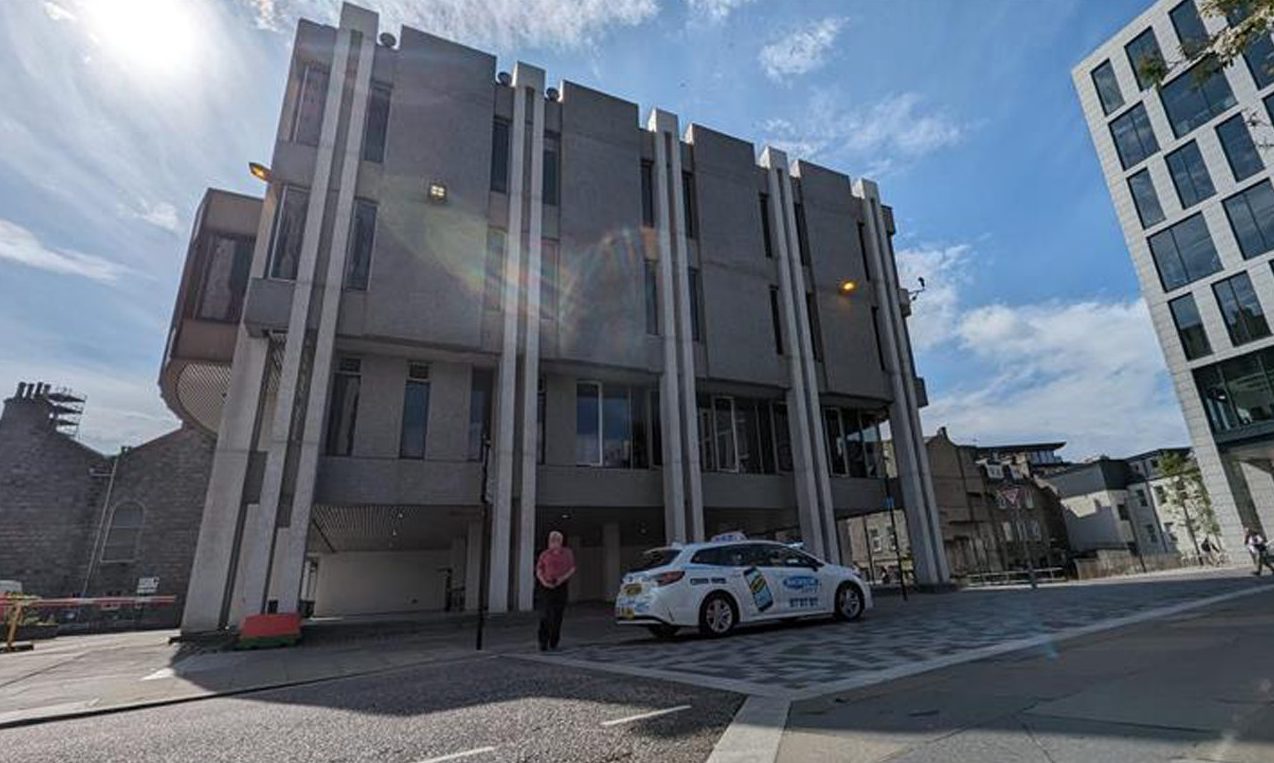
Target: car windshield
655,557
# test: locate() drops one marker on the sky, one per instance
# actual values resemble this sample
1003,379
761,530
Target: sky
119,113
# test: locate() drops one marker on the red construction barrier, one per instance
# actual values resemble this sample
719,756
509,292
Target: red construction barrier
258,631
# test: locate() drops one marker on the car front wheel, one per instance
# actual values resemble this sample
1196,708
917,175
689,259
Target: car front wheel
849,602
717,615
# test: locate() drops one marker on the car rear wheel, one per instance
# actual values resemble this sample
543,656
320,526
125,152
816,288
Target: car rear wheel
662,631
717,615
849,602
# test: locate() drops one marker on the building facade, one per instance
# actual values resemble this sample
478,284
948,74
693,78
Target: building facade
995,513
75,522
1184,145
472,308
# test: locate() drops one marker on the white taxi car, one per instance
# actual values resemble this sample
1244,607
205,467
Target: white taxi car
719,584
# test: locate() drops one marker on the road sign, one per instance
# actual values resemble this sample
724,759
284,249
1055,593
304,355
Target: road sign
147,586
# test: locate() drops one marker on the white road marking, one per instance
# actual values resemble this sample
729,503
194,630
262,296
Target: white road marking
644,716
458,755
755,733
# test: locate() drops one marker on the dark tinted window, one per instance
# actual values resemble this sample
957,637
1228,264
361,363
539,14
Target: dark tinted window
774,320
1196,96
342,411
696,304
657,557
362,235
1144,58
1251,216
1259,54
1134,137
1244,319
500,156
1185,314
552,168
1240,151
225,278
765,224
816,330
1184,253
647,193
289,229
479,411
652,298
377,124
1237,392
307,123
802,237
1190,30
690,203
1145,198
1107,87
415,425
1190,174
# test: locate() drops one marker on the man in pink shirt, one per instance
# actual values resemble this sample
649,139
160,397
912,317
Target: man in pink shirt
554,567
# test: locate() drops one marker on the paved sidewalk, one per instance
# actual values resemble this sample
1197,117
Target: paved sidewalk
1198,686
77,675
817,657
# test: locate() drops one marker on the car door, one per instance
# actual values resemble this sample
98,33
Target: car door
755,584
801,587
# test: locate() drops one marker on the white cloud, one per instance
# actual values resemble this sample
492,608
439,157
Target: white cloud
802,50
505,24
57,12
888,134
1088,371
160,214
17,244
716,10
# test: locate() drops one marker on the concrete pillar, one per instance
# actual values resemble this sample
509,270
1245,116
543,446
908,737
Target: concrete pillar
473,566
290,547
664,126
909,449
611,569
576,544
506,377
525,77
798,414
1259,476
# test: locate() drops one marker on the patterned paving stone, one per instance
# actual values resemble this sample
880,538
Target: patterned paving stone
801,657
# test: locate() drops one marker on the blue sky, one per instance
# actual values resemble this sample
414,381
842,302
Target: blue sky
118,113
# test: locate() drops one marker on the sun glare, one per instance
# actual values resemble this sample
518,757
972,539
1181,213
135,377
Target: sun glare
157,37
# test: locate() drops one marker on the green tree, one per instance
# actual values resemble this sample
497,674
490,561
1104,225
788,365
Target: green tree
1188,497
1247,21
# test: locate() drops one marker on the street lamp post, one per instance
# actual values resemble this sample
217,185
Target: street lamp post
893,523
483,552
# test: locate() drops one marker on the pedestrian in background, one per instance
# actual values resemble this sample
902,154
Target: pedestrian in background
1256,546
553,569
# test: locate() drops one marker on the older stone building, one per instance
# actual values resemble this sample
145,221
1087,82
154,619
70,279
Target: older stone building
76,522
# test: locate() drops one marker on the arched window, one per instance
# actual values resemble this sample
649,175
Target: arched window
124,533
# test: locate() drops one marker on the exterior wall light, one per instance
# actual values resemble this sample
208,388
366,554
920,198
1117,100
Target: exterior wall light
259,171
848,287
437,193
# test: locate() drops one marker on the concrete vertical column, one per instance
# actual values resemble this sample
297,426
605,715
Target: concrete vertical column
576,544
1223,478
909,446
664,125
289,553
473,566
798,418
531,80
803,351
1260,485
259,528
211,572
506,377
685,341
611,569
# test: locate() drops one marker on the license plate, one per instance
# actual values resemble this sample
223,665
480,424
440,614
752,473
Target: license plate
632,589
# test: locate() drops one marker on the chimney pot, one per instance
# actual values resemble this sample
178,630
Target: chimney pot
22,390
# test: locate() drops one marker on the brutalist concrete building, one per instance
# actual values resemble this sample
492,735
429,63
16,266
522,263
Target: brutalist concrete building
639,334
1184,143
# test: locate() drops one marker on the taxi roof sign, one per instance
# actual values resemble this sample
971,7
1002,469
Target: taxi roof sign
730,536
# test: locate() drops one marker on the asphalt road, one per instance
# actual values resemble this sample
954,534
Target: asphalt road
525,711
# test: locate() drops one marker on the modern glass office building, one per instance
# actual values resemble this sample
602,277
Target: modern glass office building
1185,147
637,334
